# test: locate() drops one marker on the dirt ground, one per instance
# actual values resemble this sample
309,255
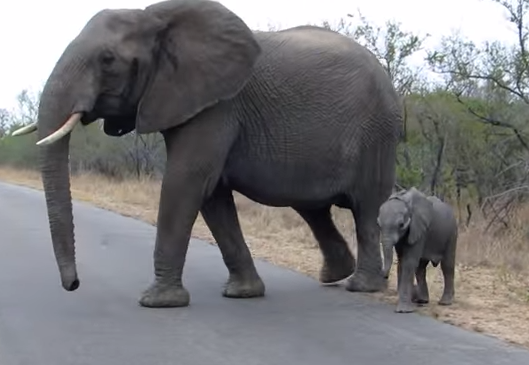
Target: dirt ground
492,285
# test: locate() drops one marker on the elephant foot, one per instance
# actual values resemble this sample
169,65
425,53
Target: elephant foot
418,297
421,301
366,283
405,308
160,295
244,288
331,273
446,300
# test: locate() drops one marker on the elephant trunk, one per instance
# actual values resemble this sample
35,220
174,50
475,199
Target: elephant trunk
56,182
387,248
60,99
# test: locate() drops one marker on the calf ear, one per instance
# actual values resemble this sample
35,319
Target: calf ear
421,215
206,54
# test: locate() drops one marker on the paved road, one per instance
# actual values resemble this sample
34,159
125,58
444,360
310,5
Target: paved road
298,322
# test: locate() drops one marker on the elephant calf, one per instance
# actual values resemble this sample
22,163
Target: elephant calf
422,229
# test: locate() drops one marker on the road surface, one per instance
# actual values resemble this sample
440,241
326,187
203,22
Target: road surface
298,322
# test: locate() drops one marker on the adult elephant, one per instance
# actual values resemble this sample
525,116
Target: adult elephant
303,117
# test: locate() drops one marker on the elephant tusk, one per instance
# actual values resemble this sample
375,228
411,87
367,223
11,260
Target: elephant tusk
61,132
25,130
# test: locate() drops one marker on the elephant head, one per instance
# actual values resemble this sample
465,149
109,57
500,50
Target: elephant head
404,217
145,69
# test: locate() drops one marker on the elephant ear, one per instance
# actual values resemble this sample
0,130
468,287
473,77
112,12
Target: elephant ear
206,53
421,215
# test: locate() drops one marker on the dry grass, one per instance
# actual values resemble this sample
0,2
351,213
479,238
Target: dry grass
492,288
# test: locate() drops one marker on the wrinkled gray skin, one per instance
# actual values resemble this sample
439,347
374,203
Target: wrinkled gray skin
303,118
422,229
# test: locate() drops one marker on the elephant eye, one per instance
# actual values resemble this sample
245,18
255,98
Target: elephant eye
107,58
403,223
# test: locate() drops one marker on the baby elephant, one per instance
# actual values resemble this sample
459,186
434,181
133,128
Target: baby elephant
423,229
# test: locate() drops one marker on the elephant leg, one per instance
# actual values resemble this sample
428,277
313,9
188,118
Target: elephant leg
405,304
196,154
369,276
175,222
338,262
220,214
420,292
448,268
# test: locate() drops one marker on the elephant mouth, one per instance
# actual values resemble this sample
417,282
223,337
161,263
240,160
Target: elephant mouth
114,110
88,117
93,115
115,123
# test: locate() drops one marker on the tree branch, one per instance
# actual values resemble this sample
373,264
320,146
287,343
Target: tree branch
494,122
